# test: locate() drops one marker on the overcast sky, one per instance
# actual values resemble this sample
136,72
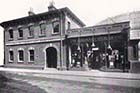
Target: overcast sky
89,11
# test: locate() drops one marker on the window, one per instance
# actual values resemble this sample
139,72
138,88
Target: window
31,55
11,56
56,27
11,34
42,29
21,55
135,49
31,31
20,33
69,25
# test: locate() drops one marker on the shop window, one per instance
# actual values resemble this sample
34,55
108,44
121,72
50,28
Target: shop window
42,29
31,56
56,27
20,33
11,35
21,55
11,56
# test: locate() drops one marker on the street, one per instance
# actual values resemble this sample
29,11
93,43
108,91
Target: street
54,83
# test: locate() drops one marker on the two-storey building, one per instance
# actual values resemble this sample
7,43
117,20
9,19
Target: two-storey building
36,41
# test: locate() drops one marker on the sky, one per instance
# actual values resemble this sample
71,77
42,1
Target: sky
89,11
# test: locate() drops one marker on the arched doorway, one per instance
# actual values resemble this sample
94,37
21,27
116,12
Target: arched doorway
51,57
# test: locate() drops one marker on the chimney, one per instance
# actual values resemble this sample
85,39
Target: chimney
51,7
30,12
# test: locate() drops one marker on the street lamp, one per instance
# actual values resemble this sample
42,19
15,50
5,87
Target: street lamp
93,44
78,48
109,46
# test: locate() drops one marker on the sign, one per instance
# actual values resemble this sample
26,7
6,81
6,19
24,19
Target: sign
95,49
135,34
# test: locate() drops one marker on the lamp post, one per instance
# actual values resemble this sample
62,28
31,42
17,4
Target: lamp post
109,45
109,49
79,48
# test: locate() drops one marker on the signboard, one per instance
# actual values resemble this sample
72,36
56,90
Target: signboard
116,37
134,34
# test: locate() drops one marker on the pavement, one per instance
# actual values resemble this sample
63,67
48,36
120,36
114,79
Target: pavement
90,73
128,80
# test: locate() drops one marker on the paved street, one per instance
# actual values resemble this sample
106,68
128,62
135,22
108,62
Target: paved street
68,83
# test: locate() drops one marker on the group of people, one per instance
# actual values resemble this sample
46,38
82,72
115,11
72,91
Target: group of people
95,60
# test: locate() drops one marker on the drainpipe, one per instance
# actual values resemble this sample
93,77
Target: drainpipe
61,42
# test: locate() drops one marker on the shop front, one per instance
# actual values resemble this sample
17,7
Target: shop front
102,46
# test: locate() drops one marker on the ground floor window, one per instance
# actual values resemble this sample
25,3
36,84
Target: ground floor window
31,55
21,55
11,56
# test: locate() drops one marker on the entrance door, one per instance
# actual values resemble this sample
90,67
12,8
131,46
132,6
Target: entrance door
51,56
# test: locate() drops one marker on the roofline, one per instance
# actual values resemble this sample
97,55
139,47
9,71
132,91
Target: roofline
90,27
65,9
80,22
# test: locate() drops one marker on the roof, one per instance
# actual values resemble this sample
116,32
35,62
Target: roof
41,16
133,17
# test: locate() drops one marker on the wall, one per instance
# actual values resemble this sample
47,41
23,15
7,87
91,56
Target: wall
48,32
39,54
73,24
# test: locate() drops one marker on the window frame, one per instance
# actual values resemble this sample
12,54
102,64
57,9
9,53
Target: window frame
19,55
69,25
11,33
31,31
42,31
19,32
29,55
53,27
11,56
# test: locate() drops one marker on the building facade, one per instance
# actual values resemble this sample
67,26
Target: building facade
100,46
134,36
58,39
36,41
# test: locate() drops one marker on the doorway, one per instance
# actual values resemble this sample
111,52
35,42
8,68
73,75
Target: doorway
51,57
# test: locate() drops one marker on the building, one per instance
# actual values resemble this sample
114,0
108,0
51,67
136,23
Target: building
36,41
101,45
134,35
58,39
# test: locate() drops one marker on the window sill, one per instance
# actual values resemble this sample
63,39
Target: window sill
30,37
55,33
10,39
20,38
11,62
20,61
31,62
42,35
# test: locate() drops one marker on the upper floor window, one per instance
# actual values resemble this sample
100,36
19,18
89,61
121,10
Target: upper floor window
56,27
69,25
11,35
42,28
20,55
31,31
31,55
20,33
11,56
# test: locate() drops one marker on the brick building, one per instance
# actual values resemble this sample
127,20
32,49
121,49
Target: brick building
58,39
36,41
